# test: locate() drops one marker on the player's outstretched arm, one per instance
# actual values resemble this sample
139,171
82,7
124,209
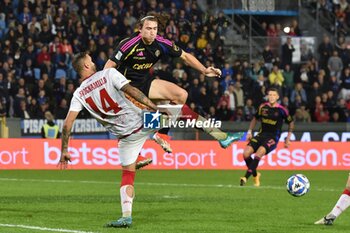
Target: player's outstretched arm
190,60
66,129
251,127
290,130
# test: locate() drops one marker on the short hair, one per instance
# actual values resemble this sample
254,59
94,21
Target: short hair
48,115
272,89
78,61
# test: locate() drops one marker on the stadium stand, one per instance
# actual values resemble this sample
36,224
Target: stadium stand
38,39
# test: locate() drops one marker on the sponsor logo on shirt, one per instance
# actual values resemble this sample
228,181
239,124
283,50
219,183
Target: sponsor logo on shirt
142,66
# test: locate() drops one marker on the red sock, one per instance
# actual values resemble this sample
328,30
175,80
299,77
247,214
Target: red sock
188,113
128,178
347,192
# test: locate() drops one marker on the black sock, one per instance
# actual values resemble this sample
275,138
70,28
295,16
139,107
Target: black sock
248,161
164,131
248,173
252,167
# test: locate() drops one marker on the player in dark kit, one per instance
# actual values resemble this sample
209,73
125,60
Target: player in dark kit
135,56
272,116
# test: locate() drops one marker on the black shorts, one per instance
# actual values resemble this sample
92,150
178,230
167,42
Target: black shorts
268,141
144,85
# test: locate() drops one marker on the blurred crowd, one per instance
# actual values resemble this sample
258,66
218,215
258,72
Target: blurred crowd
334,15
38,39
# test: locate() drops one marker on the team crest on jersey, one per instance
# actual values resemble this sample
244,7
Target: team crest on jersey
157,53
175,47
264,112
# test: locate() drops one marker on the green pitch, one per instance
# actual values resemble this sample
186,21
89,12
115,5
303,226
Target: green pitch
167,201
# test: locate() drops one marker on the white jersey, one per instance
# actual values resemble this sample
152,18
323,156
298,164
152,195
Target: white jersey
100,94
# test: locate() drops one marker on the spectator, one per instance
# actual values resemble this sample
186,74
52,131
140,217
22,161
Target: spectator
345,85
23,113
298,102
276,79
3,26
334,86
288,75
20,96
256,71
335,117
238,92
43,57
298,91
223,111
227,70
295,27
232,103
302,115
325,50
268,57
239,116
62,109
203,99
335,65
212,113
33,108
321,114
214,96
287,52
249,110
50,130
202,41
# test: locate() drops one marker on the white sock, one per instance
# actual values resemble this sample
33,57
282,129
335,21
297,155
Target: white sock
342,204
125,201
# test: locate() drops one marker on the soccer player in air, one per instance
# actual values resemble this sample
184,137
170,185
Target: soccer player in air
137,54
342,204
102,93
272,116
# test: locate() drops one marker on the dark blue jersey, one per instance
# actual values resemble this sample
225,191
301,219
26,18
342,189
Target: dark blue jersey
272,119
134,58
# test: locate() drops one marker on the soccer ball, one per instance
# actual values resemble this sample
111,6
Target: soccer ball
298,185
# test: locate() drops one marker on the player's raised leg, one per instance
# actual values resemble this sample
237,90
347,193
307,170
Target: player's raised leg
342,204
142,161
161,89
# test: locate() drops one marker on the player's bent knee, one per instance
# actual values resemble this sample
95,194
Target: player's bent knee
180,97
248,151
246,154
259,155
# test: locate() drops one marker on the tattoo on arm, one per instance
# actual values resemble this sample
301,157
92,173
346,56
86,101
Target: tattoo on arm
139,96
65,137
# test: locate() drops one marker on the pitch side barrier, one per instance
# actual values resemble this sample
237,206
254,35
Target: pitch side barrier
104,154
90,129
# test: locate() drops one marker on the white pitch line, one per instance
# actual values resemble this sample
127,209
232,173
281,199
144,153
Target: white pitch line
43,228
164,184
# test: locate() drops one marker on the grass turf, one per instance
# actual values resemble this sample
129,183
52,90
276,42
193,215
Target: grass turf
168,201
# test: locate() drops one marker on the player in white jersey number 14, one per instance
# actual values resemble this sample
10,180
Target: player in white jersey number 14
102,94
